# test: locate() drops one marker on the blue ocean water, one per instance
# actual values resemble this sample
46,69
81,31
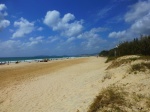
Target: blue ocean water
14,59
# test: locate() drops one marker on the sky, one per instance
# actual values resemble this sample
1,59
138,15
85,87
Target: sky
69,27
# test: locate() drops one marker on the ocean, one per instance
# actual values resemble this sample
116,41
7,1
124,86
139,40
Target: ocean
29,59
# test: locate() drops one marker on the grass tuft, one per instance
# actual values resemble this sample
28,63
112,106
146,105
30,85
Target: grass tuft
141,67
148,102
138,67
116,99
118,63
110,59
109,99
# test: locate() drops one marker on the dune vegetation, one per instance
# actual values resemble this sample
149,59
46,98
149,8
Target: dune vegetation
128,88
127,78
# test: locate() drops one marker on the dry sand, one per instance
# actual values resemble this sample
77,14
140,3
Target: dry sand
69,85
57,86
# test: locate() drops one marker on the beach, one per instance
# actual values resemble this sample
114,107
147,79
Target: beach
56,86
71,85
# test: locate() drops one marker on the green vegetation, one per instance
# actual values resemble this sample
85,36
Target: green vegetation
135,47
115,98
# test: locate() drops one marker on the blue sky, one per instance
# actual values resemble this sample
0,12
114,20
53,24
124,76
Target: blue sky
54,27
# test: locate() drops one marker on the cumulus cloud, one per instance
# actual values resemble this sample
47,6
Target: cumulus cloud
119,34
137,11
34,41
22,48
24,27
139,16
52,39
92,39
3,22
17,44
70,39
11,48
67,25
10,44
142,26
92,33
2,7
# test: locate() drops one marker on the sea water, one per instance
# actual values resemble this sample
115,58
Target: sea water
29,59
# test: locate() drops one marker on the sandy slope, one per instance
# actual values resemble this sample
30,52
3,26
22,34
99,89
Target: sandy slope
58,86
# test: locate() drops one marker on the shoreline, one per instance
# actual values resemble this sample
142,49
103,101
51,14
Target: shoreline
14,71
30,60
71,85
56,86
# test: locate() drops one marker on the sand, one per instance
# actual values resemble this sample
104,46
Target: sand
69,85
56,86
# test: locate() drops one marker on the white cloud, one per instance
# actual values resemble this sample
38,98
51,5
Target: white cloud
68,17
66,25
92,33
3,22
92,39
70,39
104,12
22,48
18,45
119,34
142,26
9,44
139,16
52,39
40,29
2,7
137,11
11,48
34,41
94,43
52,18
24,27
11,30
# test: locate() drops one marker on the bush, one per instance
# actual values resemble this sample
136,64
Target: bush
135,47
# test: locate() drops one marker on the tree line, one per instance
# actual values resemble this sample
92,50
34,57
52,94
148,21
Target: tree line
138,46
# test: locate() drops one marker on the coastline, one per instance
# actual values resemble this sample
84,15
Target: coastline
62,85
71,85
15,71
9,60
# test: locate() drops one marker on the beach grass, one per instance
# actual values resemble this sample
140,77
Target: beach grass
140,67
110,99
116,62
117,99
